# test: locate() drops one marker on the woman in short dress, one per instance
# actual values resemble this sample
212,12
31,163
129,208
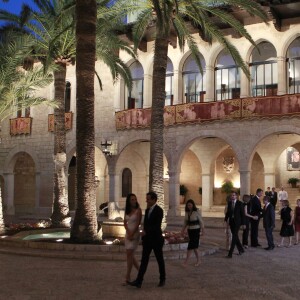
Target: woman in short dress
132,221
297,221
194,223
287,228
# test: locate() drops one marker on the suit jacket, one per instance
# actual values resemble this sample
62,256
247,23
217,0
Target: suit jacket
152,224
273,198
269,216
255,206
237,214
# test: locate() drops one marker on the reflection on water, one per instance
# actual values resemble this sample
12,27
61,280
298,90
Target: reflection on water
51,235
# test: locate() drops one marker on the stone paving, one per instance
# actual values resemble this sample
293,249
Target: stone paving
258,274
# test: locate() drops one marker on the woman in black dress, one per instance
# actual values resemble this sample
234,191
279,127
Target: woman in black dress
287,228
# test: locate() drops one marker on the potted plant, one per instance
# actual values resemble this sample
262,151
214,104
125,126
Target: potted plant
182,191
293,181
227,187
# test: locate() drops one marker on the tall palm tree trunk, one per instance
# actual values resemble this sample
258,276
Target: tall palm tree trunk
60,215
156,167
84,228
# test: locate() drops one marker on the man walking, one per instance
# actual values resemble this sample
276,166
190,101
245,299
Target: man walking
255,210
152,240
236,217
269,221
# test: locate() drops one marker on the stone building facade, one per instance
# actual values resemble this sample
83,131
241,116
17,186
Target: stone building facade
220,126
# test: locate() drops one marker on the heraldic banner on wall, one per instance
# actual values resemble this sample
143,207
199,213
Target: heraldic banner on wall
68,121
20,126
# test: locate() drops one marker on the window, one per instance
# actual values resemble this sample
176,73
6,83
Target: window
169,83
293,61
227,77
68,97
135,96
126,182
193,80
263,68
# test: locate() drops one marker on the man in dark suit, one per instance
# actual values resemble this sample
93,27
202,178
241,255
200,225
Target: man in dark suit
273,197
235,215
255,210
152,240
269,222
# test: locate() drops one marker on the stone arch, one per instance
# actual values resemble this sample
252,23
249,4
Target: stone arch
289,37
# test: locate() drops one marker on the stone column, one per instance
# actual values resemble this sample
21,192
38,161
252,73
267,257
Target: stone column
210,88
245,85
177,87
245,182
174,205
269,180
147,91
207,191
9,193
281,75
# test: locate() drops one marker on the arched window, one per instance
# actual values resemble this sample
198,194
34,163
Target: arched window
293,55
135,96
68,97
227,77
193,80
169,83
263,68
126,182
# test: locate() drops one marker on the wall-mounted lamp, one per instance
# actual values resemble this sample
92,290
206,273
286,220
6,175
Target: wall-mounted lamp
106,148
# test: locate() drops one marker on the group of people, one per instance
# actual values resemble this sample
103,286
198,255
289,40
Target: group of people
246,214
152,237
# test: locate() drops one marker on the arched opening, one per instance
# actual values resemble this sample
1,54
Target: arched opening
72,184
227,77
193,81
126,182
263,68
293,55
24,184
68,97
169,83
134,98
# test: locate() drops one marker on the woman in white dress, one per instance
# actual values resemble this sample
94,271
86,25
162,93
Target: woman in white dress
132,221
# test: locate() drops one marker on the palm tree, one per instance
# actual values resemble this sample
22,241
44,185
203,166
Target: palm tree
84,228
171,18
96,37
51,27
17,86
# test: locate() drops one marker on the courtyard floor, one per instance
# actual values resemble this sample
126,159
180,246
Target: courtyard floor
258,274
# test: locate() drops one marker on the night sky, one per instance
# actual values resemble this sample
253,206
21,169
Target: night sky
15,5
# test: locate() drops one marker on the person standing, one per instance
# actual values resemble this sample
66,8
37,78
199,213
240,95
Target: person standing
287,228
248,217
194,224
236,218
255,210
268,191
282,195
273,197
297,221
269,222
132,221
152,240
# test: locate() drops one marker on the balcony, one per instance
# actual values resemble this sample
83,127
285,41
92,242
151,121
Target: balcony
234,109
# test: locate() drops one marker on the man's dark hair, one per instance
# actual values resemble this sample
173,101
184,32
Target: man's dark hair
258,191
153,195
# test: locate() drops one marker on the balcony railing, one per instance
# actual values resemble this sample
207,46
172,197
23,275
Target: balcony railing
246,108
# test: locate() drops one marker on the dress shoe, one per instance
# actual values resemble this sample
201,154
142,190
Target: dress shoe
161,283
135,283
268,248
258,245
241,252
229,256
